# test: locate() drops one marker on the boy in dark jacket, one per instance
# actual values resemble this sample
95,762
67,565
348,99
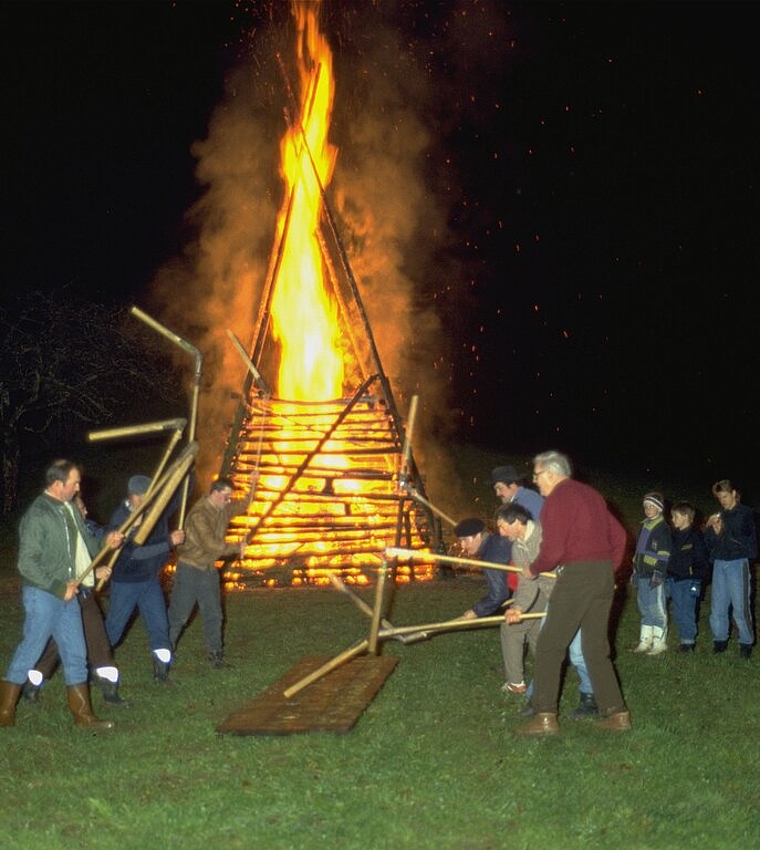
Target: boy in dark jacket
688,569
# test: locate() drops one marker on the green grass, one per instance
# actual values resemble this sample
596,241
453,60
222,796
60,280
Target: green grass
432,762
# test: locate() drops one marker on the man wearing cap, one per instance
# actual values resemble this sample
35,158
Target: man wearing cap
136,583
477,543
650,567
508,486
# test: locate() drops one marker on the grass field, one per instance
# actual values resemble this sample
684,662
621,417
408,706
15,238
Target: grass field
432,762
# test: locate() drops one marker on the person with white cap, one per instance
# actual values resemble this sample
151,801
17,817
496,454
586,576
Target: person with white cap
136,582
650,568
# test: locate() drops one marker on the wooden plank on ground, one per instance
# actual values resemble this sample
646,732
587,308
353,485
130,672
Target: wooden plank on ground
332,703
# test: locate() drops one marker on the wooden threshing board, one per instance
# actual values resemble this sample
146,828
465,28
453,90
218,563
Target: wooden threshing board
332,703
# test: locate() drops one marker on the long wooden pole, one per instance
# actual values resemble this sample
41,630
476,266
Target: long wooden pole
410,554
189,451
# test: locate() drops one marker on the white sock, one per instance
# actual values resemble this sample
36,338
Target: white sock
109,673
36,678
163,655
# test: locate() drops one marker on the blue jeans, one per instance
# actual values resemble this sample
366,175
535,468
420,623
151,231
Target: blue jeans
148,598
731,589
652,603
49,616
202,586
685,595
579,662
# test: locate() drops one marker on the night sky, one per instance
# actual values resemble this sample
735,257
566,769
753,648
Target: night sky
584,182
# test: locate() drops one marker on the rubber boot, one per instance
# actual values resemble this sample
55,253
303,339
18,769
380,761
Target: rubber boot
543,723
161,672
216,660
745,651
720,646
645,639
660,642
111,693
9,694
78,697
31,693
587,707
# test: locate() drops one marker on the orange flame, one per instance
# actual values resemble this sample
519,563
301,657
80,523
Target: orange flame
304,316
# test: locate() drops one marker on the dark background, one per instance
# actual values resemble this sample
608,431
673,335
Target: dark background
600,174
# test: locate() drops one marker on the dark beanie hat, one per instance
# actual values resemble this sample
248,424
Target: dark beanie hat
469,527
656,499
505,474
138,484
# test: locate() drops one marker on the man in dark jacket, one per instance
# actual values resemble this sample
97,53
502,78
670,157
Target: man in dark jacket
479,544
731,539
136,583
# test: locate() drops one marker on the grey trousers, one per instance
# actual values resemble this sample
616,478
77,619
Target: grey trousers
193,586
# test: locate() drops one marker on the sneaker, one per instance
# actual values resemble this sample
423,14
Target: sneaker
512,688
687,647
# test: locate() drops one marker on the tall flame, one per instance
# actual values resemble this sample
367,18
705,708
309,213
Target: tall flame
304,316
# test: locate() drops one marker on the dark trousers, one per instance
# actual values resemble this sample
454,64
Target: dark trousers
582,599
193,586
99,652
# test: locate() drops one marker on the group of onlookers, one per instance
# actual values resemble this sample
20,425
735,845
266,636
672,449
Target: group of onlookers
673,562
566,546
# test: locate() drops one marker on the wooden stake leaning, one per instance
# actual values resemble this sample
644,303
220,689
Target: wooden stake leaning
351,652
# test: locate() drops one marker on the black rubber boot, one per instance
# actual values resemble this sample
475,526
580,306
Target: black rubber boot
161,672
587,708
31,693
720,646
745,651
216,660
111,693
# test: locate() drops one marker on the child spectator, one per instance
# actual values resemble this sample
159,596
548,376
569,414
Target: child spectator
688,568
650,566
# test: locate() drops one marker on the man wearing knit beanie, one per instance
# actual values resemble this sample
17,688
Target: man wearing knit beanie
650,566
477,543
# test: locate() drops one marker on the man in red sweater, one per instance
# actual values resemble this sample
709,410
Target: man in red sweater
583,543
